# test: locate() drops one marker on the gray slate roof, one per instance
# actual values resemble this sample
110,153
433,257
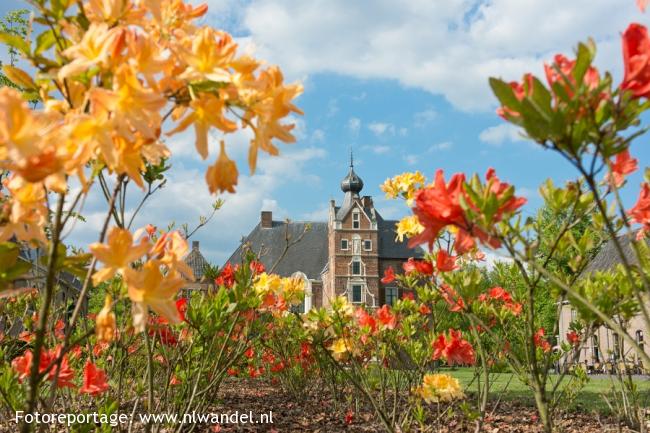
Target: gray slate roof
197,262
309,255
608,256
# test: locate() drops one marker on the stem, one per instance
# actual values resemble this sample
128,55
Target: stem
34,377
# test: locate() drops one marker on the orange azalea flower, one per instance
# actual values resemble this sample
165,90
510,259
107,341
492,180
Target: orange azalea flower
94,382
65,376
170,249
133,105
59,329
207,112
210,56
99,45
174,380
521,90
452,298
105,324
27,212
117,253
365,320
573,338
149,288
222,176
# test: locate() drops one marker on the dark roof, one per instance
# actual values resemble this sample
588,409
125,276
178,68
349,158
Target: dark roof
308,254
390,247
608,256
196,261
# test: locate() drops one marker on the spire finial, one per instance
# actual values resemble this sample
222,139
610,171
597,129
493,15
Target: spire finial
351,158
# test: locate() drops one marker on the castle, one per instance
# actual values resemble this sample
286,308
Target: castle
347,255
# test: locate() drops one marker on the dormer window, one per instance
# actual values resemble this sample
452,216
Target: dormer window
344,244
367,245
356,220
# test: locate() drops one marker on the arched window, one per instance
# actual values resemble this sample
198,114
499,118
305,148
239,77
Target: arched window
639,339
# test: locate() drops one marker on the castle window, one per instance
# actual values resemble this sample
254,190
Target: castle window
356,267
391,295
344,244
356,292
356,220
367,245
639,339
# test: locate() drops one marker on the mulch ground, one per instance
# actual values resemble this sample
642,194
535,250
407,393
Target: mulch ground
315,414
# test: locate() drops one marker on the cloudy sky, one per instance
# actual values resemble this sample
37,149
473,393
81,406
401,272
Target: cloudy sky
402,83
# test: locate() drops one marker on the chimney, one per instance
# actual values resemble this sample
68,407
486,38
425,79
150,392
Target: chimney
266,219
366,201
195,245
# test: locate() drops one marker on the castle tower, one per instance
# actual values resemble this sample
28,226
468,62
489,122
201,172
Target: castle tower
353,245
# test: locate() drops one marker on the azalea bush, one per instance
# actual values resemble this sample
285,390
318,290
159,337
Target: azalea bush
108,81
582,117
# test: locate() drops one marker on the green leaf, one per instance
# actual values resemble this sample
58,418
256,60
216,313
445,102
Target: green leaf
585,57
504,93
44,42
15,41
9,252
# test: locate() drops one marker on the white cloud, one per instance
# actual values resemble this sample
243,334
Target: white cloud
424,117
318,136
379,150
500,134
380,128
444,145
186,197
446,47
411,159
354,124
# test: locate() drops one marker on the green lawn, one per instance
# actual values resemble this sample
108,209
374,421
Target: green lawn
509,388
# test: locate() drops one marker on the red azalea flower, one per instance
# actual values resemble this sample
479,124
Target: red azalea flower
305,350
424,309
541,341
445,262
174,380
349,417
166,335
424,267
623,165
565,66
640,213
364,319
94,382
227,276
59,329
257,267
23,364
452,298
278,367
573,338
250,353
386,317
181,307
498,293
255,372
408,296
389,275
66,374
636,60
232,371
521,90
454,349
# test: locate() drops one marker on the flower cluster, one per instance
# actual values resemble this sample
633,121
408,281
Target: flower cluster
438,387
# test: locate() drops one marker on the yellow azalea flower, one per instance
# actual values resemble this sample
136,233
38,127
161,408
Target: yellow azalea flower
342,306
265,283
408,226
149,288
339,348
405,184
207,111
209,57
117,253
222,176
97,47
106,10
439,388
105,323
293,289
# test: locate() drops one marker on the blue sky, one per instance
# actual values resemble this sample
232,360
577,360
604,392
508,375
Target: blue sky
404,87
